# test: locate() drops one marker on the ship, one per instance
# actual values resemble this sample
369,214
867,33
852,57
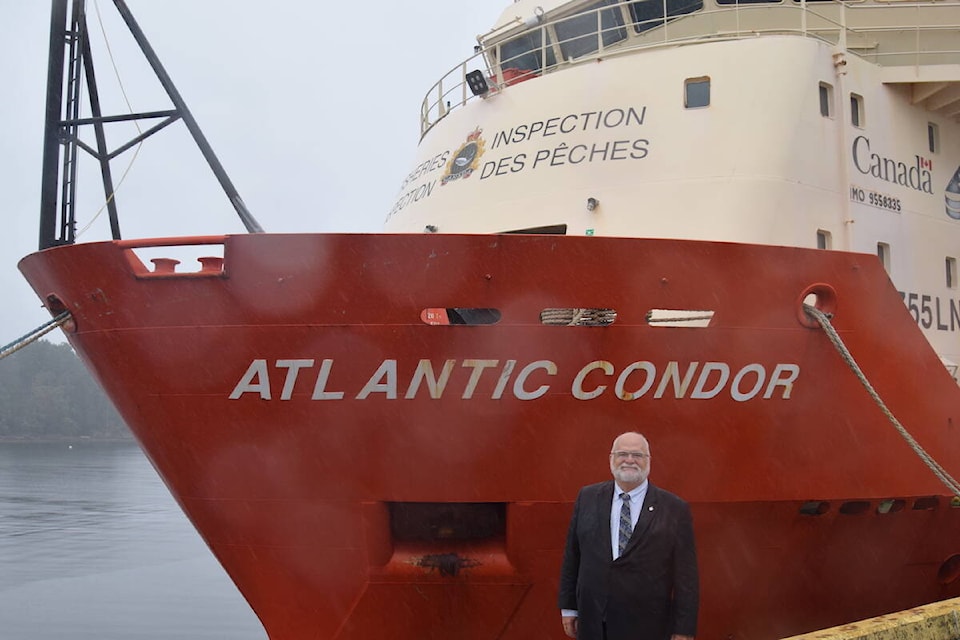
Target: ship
731,226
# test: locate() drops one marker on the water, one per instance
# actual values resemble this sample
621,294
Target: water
93,547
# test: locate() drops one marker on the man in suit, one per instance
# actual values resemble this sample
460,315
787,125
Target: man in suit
630,564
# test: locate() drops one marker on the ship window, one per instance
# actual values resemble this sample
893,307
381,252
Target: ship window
856,110
826,99
883,252
526,52
824,241
649,13
696,92
748,1
933,137
578,35
951,269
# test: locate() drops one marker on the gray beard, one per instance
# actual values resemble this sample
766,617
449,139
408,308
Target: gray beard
628,475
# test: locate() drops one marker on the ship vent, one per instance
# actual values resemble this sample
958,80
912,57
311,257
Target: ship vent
679,318
447,521
578,317
891,505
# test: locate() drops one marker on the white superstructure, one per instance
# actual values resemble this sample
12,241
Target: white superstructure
810,124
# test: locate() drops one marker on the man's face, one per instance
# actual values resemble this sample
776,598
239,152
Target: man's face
630,459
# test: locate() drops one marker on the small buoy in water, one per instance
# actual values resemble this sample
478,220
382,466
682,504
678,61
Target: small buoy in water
69,446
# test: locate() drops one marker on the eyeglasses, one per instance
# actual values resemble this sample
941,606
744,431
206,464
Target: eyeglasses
624,455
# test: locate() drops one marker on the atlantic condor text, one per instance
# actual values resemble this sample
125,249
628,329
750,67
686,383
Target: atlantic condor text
499,379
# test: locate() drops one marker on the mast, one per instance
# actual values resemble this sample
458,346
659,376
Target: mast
61,145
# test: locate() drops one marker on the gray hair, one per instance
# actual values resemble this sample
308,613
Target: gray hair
613,447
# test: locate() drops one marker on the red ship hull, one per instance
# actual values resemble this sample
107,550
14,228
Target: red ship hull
316,430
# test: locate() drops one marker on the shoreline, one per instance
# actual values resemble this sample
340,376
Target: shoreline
67,440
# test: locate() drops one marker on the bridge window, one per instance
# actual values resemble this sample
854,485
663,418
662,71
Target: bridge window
696,92
649,13
748,1
823,239
951,268
933,137
526,52
578,35
883,252
856,110
826,99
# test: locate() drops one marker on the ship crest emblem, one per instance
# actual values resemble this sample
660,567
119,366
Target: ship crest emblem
952,196
465,159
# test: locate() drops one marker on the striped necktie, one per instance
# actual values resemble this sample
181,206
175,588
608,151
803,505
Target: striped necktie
626,525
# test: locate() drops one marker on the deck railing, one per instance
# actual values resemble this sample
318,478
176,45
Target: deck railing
886,32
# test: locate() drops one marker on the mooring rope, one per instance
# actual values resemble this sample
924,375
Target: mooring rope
941,473
34,335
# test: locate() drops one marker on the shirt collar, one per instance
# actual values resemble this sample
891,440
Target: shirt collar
634,494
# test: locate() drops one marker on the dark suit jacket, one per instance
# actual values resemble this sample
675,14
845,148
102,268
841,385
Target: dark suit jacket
648,593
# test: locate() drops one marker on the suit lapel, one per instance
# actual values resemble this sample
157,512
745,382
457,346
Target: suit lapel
603,505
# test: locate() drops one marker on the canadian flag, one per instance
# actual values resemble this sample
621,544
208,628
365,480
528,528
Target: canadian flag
925,164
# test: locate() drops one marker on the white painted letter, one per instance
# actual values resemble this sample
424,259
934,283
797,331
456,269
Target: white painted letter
577,387
504,378
478,367
293,370
320,389
258,370
740,396
672,372
425,372
388,370
648,368
523,394
698,391
792,371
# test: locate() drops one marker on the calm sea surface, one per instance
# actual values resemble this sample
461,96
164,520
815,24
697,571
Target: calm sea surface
92,546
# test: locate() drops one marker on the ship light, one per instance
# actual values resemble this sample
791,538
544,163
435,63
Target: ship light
477,83
592,204
535,19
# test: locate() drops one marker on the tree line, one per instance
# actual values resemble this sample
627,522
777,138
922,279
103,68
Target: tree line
47,393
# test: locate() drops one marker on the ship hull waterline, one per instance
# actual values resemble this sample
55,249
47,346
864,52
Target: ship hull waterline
304,414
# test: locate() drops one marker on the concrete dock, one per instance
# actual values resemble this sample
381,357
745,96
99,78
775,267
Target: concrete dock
935,621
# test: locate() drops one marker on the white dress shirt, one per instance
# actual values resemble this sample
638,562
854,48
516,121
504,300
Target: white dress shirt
636,502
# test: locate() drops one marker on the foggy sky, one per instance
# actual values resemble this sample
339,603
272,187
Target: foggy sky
312,108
